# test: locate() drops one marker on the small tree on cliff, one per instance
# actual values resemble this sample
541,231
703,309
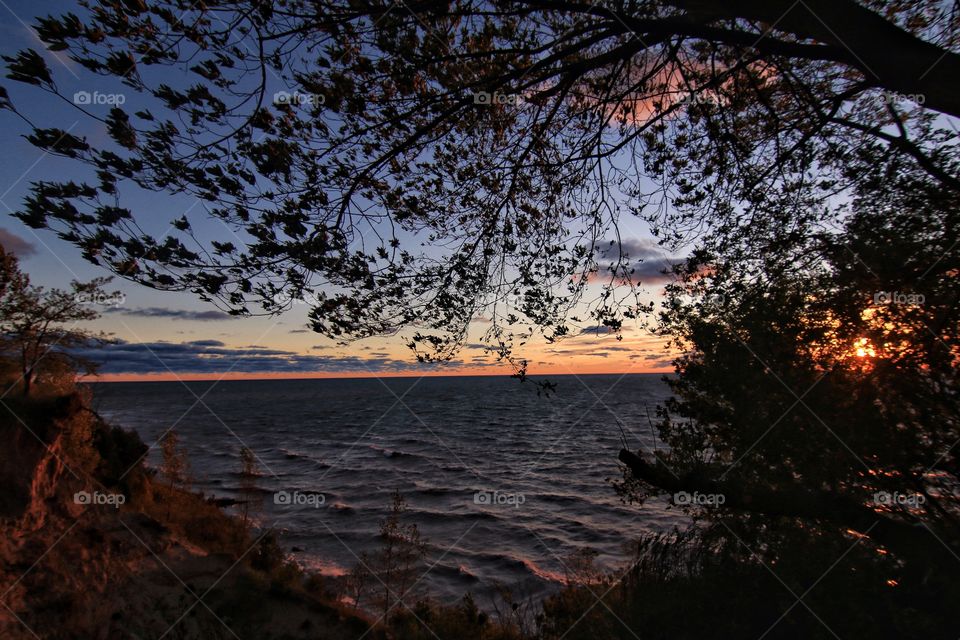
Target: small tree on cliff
392,569
38,327
174,465
249,473
401,551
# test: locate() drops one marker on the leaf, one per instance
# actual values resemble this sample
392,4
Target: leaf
29,67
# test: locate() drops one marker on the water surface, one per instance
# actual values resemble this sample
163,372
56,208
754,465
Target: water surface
438,441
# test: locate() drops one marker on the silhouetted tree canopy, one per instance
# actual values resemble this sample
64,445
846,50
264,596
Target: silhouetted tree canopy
818,393
419,164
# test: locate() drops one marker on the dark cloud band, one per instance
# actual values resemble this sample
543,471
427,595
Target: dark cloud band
212,356
173,314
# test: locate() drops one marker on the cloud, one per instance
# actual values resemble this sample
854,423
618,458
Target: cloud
661,364
648,261
15,244
596,331
652,360
213,356
173,314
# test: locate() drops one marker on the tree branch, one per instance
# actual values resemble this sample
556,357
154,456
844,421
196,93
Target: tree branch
793,502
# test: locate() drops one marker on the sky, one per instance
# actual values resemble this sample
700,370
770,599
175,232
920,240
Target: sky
171,335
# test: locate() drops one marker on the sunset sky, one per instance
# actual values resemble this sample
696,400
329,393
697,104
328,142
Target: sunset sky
162,335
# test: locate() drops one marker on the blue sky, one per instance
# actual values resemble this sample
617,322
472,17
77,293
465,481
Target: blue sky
167,333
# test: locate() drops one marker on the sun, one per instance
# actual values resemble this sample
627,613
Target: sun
864,349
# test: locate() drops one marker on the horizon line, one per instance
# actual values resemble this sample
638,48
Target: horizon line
262,376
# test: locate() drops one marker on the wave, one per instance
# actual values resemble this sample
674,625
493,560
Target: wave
395,454
434,490
458,572
321,565
255,473
557,498
524,565
294,455
446,517
495,430
238,489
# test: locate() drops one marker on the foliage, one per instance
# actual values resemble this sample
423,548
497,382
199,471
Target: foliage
390,573
424,165
38,328
268,555
817,391
174,463
119,451
462,620
249,472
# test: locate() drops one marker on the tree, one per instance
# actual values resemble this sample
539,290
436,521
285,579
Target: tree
249,472
391,569
806,150
507,138
402,551
38,327
817,392
174,463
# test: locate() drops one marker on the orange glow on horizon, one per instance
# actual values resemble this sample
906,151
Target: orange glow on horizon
551,370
